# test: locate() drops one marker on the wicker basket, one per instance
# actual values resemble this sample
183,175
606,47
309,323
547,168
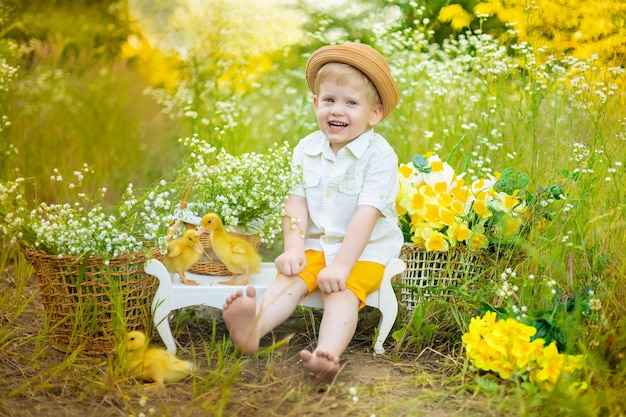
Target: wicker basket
87,302
435,273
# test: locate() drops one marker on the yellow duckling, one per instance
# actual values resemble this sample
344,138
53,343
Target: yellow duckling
238,256
152,364
182,253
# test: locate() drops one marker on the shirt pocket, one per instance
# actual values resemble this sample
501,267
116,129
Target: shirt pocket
352,184
310,179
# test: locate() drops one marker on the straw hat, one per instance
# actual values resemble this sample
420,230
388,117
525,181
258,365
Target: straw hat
364,58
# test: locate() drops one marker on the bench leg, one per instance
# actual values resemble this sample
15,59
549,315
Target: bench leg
162,303
162,324
387,304
388,316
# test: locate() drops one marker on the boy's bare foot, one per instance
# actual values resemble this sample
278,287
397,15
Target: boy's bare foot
323,366
240,318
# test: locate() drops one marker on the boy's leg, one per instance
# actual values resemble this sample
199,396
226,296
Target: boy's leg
248,321
339,321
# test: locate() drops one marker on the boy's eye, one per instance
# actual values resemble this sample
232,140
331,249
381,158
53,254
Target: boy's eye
351,102
329,100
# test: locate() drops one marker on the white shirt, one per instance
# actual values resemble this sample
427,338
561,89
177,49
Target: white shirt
364,172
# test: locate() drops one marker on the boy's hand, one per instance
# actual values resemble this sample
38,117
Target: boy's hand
290,262
333,278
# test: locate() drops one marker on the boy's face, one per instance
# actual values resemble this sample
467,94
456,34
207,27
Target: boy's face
344,111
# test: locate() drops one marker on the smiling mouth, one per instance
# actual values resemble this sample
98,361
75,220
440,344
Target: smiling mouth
337,125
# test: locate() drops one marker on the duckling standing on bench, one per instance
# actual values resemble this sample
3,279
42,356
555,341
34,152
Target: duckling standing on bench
182,253
238,256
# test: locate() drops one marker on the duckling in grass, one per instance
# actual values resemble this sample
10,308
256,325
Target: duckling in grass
236,254
182,253
153,364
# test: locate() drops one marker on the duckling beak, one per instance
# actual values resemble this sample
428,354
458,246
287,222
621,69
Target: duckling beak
198,248
200,231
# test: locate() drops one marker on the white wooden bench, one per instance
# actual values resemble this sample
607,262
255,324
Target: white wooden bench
172,294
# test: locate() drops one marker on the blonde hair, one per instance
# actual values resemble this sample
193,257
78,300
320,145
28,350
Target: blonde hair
344,72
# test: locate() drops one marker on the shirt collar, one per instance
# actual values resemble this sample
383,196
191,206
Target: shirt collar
358,146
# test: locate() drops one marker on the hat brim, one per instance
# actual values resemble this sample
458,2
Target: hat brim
364,58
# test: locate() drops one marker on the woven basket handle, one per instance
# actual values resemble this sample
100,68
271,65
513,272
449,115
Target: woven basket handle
184,199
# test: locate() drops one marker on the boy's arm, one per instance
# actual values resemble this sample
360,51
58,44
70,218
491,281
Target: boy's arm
292,261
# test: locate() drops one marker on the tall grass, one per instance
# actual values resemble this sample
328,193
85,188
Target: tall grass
481,106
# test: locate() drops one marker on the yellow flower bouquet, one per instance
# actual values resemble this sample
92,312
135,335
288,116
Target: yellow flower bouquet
438,210
445,221
510,349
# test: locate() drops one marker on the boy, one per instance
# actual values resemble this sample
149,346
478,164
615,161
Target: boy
341,226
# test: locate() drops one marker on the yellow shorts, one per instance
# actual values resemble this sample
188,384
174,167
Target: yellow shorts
364,279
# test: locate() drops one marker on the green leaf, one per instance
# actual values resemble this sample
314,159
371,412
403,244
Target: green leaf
399,334
487,385
484,307
418,318
550,332
421,164
557,192
511,180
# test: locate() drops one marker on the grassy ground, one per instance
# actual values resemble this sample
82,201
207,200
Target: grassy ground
39,380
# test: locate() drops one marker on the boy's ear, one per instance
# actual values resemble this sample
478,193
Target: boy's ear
315,102
377,115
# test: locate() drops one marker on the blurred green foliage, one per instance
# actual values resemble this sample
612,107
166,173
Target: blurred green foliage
95,30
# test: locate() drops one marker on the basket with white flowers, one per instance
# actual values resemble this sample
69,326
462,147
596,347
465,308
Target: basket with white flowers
88,257
447,222
247,191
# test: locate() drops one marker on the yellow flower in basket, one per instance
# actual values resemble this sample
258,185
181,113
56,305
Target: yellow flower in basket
438,210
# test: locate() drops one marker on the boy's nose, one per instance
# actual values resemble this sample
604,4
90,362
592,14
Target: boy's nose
336,109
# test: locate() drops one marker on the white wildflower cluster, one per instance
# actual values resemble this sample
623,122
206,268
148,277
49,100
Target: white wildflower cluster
530,300
247,191
84,225
507,288
551,284
516,288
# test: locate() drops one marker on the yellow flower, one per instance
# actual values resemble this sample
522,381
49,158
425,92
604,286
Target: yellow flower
405,170
432,213
441,187
507,226
480,207
577,388
573,362
505,368
522,350
436,242
485,9
458,232
456,207
446,216
456,15
478,240
426,189
550,364
418,203
437,166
